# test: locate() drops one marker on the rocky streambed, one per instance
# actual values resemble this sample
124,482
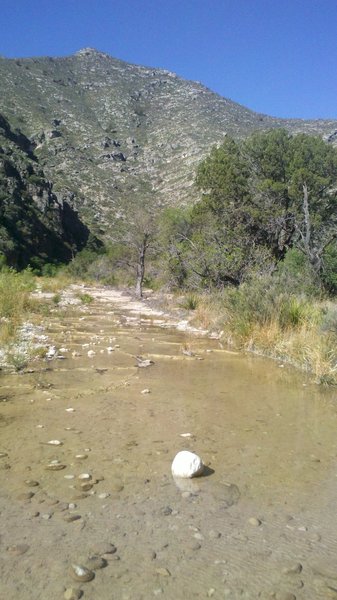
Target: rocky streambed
88,503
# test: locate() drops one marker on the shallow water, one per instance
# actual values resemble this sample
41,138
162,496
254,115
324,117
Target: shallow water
260,524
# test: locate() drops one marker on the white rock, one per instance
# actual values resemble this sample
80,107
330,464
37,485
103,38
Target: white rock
187,464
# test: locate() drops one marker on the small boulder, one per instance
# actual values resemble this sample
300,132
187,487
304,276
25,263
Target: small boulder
186,464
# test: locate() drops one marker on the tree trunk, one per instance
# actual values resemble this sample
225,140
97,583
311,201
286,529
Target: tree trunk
141,266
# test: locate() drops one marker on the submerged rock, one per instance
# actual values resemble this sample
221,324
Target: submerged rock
80,573
186,464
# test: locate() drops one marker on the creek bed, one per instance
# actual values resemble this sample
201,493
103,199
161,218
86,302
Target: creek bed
260,524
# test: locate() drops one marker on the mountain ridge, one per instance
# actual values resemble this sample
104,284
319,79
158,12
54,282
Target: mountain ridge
111,133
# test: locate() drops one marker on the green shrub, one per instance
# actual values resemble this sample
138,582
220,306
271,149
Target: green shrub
190,302
85,298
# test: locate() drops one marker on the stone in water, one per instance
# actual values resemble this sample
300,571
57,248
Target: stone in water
186,464
80,573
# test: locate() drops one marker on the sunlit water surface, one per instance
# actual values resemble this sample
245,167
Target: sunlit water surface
260,524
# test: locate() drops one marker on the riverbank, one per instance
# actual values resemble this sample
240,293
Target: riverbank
291,329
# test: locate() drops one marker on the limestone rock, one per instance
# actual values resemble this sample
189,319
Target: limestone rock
186,464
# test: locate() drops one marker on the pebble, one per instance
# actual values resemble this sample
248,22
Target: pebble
46,516
85,477
70,518
146,391
81,456
17,549
194,546
103,496
80,496
85,487
162,571
198,536
31,482
61,506
214,535
70,409
80,573
73,594
25,496
211,592
72,505
69,476
55,443
103,548
116,485
55,466
166,511
96,562
3,454
254,522
292,568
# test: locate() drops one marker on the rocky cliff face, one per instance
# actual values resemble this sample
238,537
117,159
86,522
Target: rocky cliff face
110,134
36,225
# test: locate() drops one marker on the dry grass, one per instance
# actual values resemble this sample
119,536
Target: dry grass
15,301
53,285
300,332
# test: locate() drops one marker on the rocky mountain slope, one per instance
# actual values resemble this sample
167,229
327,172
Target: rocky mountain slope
36,224
109,134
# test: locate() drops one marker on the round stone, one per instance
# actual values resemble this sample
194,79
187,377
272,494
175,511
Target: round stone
31,483
292,568
55,467
116,485
70,518
73,594
95,562
186,464
17,549
25,496
254,522
80,573
85,487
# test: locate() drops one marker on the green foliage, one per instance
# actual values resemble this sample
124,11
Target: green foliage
262,197
15,290
329,272
82,263
190,302
49,270
85,298
17,360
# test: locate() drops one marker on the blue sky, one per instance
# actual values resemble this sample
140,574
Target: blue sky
275,56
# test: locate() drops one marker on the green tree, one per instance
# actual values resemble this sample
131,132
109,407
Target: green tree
261,197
